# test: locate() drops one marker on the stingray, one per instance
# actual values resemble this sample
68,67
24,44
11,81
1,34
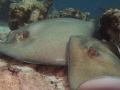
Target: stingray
45,42
90,58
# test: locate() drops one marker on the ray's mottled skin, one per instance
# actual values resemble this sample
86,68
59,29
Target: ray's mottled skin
90,58
45,42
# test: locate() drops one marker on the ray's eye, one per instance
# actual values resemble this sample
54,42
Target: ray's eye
92,51
25,34
22,34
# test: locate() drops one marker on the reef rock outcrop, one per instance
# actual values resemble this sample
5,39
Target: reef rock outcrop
27,11
72,13
110,26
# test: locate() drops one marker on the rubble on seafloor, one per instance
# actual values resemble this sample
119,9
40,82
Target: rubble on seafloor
110,26
16,75
27,11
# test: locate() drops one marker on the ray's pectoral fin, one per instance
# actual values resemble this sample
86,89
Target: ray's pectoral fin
89,58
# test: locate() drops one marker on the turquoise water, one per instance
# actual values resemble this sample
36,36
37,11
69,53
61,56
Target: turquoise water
95,7
92,6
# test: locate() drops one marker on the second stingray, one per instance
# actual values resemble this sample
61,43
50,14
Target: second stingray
90,58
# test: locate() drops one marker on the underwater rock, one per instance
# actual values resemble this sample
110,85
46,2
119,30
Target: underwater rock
27,11
72,13
15,75
110,26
